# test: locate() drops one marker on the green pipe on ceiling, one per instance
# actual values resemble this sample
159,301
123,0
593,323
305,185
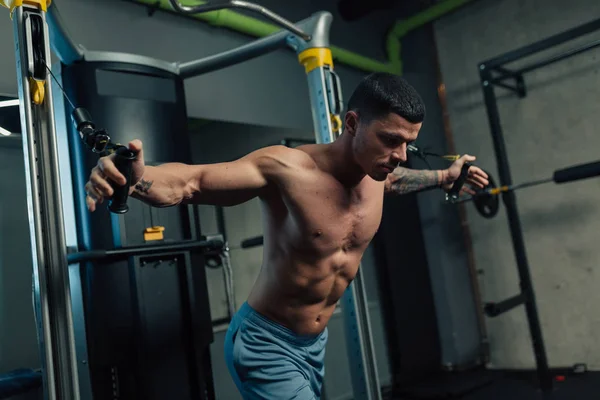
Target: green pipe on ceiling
257,28
403,27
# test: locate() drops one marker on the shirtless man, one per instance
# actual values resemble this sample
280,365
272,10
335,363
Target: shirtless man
322,205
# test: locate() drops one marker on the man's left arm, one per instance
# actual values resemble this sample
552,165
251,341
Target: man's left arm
405,180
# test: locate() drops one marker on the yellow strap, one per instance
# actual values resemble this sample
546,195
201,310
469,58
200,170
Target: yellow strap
12,4
451,157
336,122
315,58
499,190
38,90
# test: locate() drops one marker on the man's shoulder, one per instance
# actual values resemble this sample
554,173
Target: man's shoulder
288,157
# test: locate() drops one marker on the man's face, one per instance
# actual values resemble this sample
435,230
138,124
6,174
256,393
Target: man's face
380,145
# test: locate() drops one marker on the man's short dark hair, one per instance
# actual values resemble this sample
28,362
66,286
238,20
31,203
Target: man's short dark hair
380,94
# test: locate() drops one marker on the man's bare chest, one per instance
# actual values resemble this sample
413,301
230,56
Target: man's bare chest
327,214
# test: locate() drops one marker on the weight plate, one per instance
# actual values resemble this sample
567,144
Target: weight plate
487,205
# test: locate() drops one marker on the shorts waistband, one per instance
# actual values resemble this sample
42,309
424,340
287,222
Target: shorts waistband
284,333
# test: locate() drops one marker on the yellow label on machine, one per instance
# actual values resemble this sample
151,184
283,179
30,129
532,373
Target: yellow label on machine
315,58
154,233
12,4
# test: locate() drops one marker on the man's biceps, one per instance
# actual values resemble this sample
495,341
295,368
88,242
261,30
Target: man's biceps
253,173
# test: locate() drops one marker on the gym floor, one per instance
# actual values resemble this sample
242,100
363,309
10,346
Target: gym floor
500,385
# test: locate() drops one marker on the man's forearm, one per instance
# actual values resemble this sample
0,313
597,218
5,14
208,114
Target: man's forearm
165,185
404,180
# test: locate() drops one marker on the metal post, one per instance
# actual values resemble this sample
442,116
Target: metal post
325,99
50,271
545,379
359,339
61,123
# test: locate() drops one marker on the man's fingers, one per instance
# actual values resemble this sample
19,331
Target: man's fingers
101,185
109,169
478,181
474,183
468,190
469,158
478,176
91,204
477,171
92,192
136,146
92,196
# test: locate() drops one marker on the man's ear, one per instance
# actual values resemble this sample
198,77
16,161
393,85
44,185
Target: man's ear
351,122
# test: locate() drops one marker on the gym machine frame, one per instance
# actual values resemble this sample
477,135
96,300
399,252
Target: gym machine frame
63,374
492,73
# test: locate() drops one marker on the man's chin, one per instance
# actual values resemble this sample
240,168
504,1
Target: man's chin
379,176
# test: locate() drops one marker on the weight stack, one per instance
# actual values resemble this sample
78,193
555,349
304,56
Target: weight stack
147,318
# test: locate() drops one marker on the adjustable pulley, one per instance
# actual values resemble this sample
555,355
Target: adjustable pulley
36,66
486,199
334,96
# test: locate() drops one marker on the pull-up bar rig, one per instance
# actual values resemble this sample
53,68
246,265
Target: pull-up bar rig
494,72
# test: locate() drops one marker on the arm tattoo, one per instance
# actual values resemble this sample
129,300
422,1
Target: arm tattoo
143,186
404,180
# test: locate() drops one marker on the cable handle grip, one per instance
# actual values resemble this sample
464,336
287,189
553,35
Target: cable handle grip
454,192
252,242
577,172
124,162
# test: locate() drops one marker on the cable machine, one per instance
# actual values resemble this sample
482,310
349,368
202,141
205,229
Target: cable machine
55,212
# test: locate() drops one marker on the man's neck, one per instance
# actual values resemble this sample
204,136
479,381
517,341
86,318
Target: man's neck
340,162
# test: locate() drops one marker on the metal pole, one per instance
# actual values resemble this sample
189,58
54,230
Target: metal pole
61,122
317,23
325,98
545,379
542,45
245,5
359,337
49,251
543,63
240,54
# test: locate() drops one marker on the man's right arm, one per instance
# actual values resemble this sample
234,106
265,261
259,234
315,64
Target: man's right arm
223,184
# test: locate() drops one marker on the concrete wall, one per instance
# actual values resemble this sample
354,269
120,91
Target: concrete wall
553,127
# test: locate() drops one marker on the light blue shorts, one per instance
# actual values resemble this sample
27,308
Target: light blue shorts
269,361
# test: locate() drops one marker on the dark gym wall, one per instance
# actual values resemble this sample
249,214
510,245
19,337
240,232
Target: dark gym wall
555,126
446,245
18,340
